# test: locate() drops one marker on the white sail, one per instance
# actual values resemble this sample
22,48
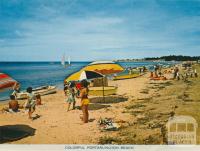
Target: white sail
63,60
69,61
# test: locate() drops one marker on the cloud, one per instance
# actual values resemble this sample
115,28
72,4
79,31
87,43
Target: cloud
88,30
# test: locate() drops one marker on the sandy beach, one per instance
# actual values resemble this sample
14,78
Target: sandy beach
142,114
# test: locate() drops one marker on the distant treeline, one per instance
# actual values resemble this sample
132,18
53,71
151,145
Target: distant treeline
175,58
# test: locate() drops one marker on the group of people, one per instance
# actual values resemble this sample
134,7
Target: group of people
72,90
80,90
185,74
140,69
30,103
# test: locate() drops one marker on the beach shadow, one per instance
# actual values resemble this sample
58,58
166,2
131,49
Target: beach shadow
9,133
91,120
97,106
36,117
108,99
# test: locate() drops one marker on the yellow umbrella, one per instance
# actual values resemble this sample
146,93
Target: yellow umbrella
74,77
103,67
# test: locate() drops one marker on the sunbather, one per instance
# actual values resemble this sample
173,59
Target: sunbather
13,104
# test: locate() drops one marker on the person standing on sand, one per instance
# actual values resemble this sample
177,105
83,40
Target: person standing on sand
84,100
16,89
156,67
31,102
195,73
70,95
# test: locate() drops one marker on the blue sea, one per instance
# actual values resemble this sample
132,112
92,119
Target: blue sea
36,74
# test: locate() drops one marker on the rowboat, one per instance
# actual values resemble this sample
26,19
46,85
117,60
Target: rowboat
43,90
126,76
98,91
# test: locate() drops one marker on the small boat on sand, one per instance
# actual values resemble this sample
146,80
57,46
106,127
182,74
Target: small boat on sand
127,76
43,90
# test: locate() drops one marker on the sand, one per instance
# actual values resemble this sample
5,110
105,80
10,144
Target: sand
142,98
57,126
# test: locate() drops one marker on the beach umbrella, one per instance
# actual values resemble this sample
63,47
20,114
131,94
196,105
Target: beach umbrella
89,75
85,75
6,81
104,67
82,74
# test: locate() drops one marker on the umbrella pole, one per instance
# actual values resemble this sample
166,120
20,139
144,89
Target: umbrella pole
103,90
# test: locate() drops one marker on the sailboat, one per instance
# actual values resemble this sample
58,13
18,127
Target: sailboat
63,61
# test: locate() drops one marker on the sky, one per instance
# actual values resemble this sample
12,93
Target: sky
86,30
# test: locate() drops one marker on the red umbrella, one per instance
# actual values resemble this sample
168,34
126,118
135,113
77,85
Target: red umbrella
6,81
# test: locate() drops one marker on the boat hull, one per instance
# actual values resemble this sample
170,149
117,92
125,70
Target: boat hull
123,77
45,90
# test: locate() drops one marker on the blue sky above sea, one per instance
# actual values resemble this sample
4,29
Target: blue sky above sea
42,30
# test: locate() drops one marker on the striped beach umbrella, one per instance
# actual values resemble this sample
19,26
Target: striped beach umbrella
6,81
88,75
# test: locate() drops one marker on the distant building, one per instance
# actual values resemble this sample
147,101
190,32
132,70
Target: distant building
198,61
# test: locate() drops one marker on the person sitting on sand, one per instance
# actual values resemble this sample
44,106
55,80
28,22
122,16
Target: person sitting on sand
84,100
38,99
70,95
13,104
31,102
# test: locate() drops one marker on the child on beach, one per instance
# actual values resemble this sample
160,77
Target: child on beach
70,94
13,104
31,102
38,99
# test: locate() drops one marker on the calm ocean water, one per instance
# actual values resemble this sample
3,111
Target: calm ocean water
47,73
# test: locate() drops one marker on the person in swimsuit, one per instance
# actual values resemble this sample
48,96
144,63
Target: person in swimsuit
84,100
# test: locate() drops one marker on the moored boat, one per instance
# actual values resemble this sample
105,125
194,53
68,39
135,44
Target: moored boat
127,76
43,90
